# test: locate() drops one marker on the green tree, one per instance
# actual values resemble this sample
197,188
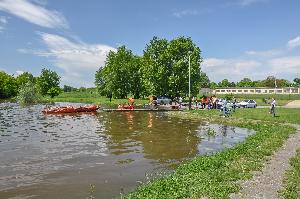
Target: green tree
271,81
115,76
297,81
136,75
166,66
8,85
232,84
47,80
69,88
155,66
224,83
213,85
246,82
23,78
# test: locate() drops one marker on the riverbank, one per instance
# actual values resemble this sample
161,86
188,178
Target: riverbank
219,175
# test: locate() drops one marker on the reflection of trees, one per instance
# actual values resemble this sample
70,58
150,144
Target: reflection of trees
161,139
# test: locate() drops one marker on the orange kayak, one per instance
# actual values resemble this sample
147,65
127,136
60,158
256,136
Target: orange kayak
71,109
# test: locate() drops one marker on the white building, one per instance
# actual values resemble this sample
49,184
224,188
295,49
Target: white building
257,90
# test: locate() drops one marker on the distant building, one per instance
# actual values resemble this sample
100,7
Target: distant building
257,90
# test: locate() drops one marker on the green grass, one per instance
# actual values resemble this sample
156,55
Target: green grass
283,115
291,188
90,97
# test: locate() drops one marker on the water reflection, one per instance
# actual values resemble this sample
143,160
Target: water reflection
59,156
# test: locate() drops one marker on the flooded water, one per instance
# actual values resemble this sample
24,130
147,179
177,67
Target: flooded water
60,156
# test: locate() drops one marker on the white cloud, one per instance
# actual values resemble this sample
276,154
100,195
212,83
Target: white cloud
267,53
78,60
182,13
249,2
294,42
34,13
3,22
232,69
290,65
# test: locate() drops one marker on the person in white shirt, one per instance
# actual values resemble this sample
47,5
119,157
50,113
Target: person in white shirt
273,105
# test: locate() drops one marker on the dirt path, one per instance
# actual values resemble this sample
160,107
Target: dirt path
265,184
293,104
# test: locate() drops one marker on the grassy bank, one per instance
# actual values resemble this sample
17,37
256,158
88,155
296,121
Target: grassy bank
291,188
217,176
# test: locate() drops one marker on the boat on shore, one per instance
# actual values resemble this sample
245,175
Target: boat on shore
71,109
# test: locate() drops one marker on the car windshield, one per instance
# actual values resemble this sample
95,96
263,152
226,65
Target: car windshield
245,100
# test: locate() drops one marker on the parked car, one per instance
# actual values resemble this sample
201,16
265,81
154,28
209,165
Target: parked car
247,104
163,100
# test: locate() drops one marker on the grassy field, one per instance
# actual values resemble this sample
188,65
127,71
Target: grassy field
217,176
291,188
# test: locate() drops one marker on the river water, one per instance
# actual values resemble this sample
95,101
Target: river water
61,156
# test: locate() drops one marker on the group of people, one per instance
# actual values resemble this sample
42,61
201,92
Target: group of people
206,102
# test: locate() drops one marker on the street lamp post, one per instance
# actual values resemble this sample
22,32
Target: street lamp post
190,100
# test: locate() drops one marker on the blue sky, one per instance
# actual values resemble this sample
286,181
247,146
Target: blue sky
238,38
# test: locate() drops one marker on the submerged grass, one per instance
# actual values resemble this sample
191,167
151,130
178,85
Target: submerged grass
291,189
217,176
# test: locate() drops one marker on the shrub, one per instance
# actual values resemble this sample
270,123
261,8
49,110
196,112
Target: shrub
28,94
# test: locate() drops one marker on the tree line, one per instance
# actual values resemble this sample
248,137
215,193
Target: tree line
163,69
270,81
28,86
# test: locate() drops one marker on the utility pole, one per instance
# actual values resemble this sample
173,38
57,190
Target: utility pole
190,99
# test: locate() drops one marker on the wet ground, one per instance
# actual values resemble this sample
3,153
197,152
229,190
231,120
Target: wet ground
60,156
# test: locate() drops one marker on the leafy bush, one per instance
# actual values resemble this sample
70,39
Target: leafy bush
54,91
28,94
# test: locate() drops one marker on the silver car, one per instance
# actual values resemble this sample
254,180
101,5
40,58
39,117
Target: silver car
247,104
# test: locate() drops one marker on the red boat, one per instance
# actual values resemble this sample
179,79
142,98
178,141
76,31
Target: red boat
71,109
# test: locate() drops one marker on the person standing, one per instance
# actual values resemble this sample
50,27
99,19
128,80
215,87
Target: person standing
234,104
180,101
273,105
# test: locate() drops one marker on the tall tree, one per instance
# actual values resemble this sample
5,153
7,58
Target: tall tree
297,81
115,76
166,66
246,82
47,80
224,83
155,66
23,78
